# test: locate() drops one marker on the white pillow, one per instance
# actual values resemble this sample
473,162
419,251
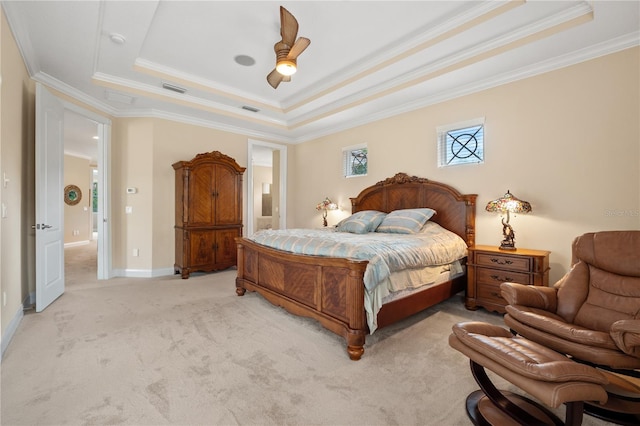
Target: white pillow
405,221
361,222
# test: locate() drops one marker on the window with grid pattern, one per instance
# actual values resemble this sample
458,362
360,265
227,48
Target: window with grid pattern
461,143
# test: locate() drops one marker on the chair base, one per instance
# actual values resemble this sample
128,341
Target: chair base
612,416
483,412
490,406
623,405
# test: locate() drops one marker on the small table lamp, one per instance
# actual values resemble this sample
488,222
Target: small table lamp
324,206
508,204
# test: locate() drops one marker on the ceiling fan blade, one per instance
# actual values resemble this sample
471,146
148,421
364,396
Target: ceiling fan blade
286,78
299,46
274,78
288,27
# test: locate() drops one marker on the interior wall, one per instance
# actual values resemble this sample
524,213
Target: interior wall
132,228
17,104
567,141
144,150
77,171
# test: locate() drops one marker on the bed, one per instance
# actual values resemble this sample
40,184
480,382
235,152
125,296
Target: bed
332,290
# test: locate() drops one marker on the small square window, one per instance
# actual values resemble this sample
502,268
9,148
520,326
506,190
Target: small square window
461,143
355,161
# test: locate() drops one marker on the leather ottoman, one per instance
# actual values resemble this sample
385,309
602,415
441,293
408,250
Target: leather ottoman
548,376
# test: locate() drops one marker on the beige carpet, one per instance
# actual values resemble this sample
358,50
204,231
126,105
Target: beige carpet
191,352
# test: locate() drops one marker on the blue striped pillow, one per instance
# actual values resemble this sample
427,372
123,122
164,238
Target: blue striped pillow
361,222
406,221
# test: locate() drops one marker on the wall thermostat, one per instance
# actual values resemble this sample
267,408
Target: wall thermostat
132,190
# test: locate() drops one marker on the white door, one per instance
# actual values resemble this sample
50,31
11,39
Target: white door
49,198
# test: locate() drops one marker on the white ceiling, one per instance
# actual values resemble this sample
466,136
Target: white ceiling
366,61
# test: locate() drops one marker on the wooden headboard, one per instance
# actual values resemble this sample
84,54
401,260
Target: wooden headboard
455,211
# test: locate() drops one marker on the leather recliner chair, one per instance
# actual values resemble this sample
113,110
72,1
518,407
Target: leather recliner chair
592,314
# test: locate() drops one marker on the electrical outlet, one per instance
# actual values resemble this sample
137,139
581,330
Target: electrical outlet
136,252
4,298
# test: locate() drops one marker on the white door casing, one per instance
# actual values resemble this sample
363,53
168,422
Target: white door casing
49,175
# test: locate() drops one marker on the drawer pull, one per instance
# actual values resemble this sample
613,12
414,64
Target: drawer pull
494,294
500,261
498,278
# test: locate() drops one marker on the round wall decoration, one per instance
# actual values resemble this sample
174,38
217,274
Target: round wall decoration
72,195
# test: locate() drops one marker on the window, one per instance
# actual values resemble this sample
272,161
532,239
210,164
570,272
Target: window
354,161
461,143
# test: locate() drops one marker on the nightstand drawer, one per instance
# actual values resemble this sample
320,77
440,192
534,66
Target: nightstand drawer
498,276
516,263
491,294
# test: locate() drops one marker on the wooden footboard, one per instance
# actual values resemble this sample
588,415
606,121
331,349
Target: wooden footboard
329,290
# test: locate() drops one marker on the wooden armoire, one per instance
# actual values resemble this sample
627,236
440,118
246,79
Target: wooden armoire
208,213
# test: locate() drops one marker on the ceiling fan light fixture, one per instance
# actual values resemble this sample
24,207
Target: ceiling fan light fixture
286,67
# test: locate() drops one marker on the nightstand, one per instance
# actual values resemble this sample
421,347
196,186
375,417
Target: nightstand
488,267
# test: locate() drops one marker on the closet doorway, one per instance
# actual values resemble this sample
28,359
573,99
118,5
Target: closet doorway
266,186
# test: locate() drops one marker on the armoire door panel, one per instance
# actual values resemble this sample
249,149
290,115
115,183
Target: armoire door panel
226,197
201,197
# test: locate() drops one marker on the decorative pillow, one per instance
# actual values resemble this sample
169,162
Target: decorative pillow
406,221
361,222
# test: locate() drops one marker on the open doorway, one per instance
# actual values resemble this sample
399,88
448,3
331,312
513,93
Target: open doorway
86,152
80,180
266,186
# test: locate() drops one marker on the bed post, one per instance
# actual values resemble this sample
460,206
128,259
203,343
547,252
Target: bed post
355,334
240,290
470,219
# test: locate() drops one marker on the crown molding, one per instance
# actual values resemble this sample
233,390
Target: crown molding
152,68
185,99
74,93
397,51
22,39
211,124
618,44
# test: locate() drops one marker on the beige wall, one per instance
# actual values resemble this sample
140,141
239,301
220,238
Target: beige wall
143,150
77,171
567,141
16,153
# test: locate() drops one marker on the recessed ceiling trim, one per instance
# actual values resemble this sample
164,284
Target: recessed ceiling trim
525,35
184,99
156,70
72,92
450,28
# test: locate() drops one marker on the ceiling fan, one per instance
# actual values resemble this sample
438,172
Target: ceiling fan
287,50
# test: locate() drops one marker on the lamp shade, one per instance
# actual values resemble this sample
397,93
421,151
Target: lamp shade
326,204
508,203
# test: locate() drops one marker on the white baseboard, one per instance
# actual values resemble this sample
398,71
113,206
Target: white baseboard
76,243
11,331
143,273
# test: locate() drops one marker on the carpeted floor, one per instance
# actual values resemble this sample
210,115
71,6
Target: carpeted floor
191,352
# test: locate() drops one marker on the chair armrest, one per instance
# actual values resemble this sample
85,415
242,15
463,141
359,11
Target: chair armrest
626,335
532,296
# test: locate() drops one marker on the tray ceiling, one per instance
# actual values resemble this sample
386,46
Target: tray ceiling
366,61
